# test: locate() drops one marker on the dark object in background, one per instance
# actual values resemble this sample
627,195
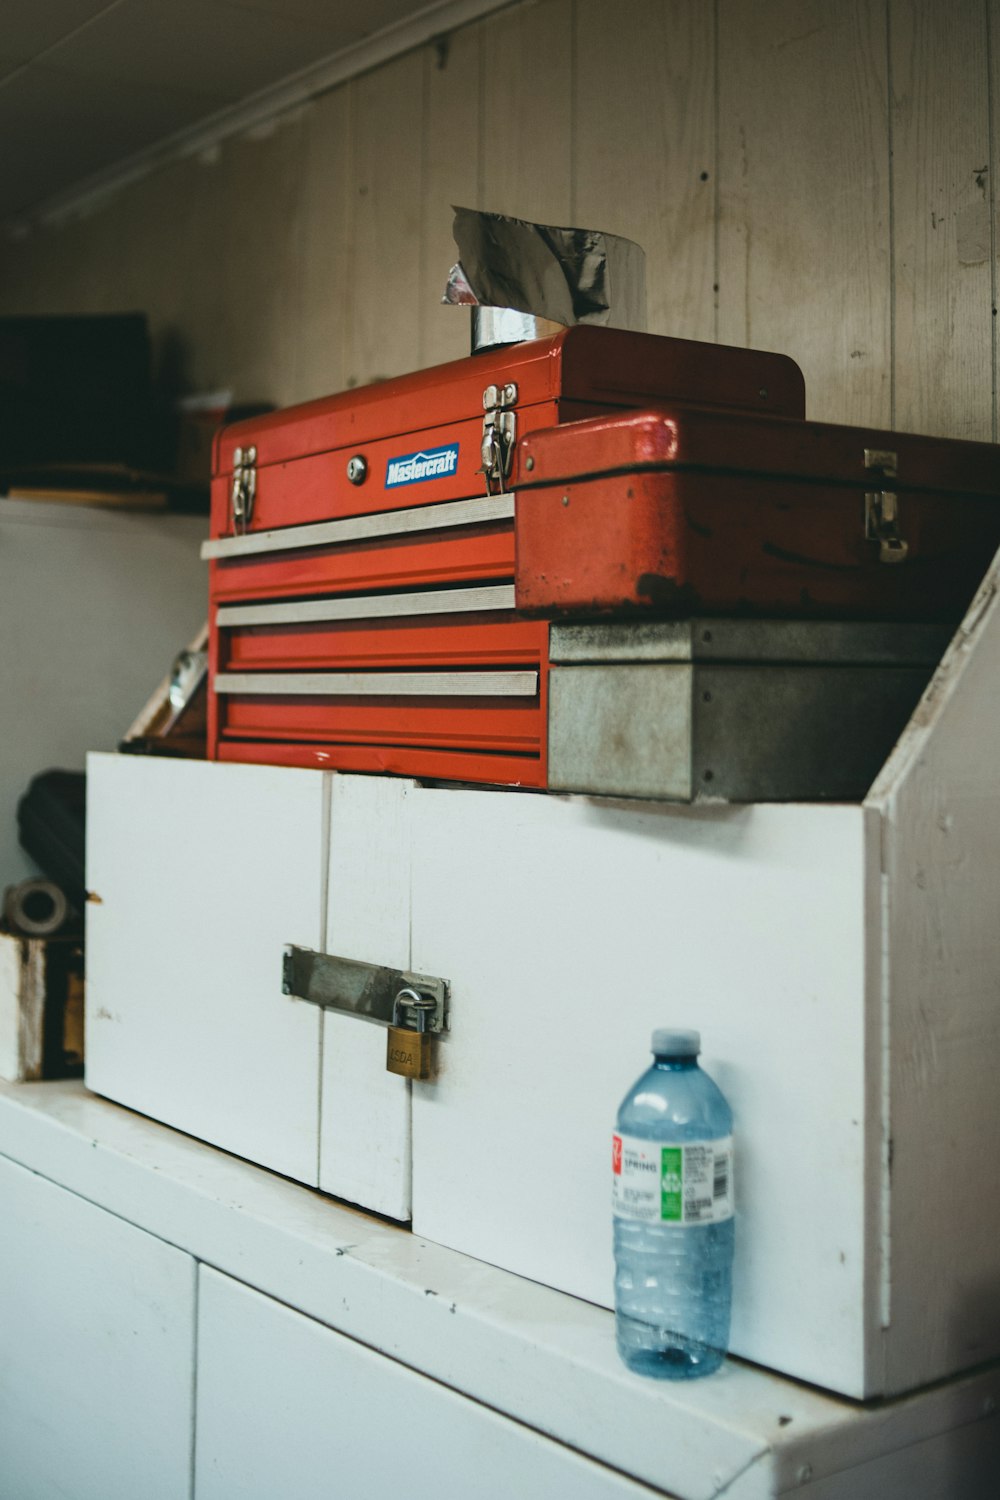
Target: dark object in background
52,822
77,390
35,908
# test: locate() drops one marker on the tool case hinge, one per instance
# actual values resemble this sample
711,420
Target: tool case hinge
244,488
882,508
499,435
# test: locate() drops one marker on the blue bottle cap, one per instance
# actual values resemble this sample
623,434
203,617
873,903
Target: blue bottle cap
668,1042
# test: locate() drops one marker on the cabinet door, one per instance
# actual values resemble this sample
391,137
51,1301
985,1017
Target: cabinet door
199,874
365,1125
97,1322
288,1407
569,929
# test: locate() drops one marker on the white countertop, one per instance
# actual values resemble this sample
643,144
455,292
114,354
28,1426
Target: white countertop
541,1357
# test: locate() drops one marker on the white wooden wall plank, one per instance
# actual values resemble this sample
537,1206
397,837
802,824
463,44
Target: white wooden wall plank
644,147
286,1407
526,141
384,271
573,113
568,930
199,874
804,195
96,1351
941,218
365,1110
937,795
451,144
324,311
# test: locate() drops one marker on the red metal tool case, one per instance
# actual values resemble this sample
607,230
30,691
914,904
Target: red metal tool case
362,554
683,511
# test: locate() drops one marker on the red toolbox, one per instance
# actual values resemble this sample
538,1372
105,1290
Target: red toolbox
362,554
683,511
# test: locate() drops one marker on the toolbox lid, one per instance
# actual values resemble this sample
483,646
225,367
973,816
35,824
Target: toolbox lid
687,438
600,366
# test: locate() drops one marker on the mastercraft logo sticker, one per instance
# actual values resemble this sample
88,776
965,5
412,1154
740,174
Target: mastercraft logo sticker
414,468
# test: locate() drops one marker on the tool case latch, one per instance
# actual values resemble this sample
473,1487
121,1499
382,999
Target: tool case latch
244,488
882,508
499,435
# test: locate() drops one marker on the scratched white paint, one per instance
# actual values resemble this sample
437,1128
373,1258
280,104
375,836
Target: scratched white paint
525,1352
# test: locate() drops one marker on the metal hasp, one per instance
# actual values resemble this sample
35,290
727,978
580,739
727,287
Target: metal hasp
882,508
732,710
367,991
499,435
244,488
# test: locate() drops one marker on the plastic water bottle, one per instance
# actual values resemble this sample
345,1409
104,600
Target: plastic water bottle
672,1161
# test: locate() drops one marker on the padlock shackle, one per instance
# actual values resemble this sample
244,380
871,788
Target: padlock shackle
411,999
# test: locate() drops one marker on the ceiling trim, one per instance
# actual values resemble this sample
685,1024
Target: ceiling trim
259,109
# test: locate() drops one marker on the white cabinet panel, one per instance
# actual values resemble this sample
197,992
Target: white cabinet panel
365,1126
199,874
569,929
288,1407
97,1323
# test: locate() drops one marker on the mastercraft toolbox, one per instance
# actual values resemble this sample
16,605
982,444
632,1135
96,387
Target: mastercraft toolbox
363,557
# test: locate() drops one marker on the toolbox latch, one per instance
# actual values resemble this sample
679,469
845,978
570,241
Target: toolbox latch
882,508
499,435
244,488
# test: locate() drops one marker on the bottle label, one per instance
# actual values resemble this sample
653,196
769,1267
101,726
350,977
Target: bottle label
685,1184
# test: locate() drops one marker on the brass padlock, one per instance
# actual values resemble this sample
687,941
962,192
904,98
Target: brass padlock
408,1050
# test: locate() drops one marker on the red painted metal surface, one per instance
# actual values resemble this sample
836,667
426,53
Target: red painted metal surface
681,510
429,764
471,554
301,479
595,365
424,645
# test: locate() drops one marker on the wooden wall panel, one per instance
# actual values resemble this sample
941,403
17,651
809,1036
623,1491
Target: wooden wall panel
804,195
644,147
383,273
941,218
451,168
526,123
296,262
323,314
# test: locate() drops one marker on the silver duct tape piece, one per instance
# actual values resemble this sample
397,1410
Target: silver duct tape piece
379,684
364,528
565,275
369,607
493,327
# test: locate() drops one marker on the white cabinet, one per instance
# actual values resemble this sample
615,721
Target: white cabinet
841,961
288,1407
96,1350
569,930
328,1353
